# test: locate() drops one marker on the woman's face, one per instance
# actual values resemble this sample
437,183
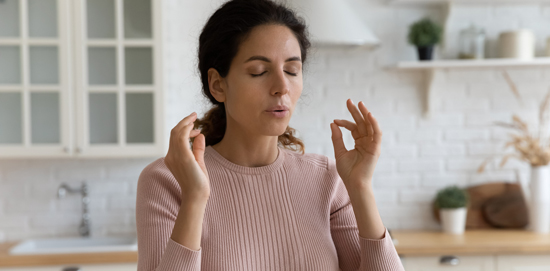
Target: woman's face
266,72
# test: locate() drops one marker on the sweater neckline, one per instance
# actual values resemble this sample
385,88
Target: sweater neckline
247,170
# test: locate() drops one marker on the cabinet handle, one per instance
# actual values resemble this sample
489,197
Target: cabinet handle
449,260
71,268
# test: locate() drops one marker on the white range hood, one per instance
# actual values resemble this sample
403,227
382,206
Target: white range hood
333,22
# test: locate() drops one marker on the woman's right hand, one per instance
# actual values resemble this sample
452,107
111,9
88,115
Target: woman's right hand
187,165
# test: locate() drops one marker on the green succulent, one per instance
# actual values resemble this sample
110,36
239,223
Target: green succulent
451,197
424,33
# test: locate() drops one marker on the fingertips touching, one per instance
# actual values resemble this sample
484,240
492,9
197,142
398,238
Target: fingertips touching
194,133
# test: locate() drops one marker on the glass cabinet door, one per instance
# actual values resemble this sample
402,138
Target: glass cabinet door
80,78
34,90
119,90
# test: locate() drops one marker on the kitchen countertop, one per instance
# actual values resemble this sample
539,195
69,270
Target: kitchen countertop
407,243
7,260
473,242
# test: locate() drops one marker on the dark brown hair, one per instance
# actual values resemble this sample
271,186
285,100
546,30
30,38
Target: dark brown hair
218,44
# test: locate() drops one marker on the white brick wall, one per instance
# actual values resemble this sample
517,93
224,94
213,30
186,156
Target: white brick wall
29,206
419,156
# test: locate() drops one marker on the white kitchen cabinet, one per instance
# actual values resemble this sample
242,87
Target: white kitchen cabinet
80,78
523,262
436,263
83,267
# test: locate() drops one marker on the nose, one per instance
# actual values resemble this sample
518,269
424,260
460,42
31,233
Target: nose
280,84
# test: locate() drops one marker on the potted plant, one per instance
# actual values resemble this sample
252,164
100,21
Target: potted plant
452,202
532,147
424,34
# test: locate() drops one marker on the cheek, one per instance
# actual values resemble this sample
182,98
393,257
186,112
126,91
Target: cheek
297,87
243,99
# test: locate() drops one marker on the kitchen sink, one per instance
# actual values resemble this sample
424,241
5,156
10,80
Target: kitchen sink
74,245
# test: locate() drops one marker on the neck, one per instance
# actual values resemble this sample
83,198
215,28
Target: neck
249,153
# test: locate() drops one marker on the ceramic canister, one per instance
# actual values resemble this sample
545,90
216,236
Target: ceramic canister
519,44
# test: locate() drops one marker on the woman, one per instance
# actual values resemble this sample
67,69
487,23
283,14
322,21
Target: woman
242,198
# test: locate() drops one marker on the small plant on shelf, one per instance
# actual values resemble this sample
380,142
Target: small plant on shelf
424,34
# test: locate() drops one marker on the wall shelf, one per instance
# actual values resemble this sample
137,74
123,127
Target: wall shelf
437,2
431,67
473,63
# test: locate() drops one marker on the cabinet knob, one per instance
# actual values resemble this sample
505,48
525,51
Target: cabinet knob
449,260
78,150
66,149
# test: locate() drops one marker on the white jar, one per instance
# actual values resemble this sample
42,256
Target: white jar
519,44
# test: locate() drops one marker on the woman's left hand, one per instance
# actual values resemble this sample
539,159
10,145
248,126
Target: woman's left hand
356,167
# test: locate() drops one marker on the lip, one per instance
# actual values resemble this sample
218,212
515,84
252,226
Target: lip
277,108
278,114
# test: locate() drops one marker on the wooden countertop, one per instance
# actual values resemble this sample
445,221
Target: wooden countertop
7,260
408,243
476,242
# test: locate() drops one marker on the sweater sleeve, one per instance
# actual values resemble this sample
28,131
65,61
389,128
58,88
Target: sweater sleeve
355,252
157,206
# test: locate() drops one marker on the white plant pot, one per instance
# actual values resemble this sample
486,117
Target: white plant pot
453,220
539,201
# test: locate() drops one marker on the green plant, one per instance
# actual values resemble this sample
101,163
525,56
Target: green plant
424,33
451,197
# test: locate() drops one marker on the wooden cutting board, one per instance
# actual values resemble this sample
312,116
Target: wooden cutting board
494,205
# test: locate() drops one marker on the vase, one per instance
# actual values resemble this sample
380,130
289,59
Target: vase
425,52
453,220
539,199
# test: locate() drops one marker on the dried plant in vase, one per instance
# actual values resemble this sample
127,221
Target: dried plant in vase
535,150
530,148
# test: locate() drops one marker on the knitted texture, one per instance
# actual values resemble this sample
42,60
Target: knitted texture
294,214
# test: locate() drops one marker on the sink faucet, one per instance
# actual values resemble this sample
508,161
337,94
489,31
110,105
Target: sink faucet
84,228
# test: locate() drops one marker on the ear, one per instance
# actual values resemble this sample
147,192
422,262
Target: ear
217,85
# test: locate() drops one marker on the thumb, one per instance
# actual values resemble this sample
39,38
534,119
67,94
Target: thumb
337,140
198,150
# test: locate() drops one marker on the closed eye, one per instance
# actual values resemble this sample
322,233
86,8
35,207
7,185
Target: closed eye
256,75
293,74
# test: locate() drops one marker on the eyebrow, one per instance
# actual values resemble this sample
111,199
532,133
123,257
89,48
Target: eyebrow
263,58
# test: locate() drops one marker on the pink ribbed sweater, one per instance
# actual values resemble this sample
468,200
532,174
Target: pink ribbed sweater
294,214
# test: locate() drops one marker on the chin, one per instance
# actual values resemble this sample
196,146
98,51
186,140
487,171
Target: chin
277,130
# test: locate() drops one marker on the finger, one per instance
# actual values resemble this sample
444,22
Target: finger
183,137
359,120
198,150
366,112
194,133
377,131
185,121
337,141
351,126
